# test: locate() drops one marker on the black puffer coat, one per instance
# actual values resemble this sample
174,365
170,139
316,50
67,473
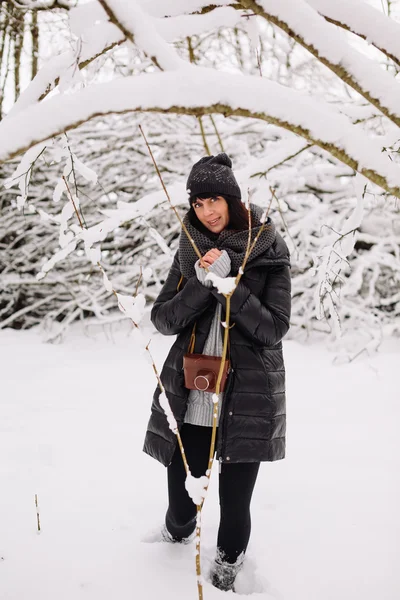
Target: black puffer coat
253,420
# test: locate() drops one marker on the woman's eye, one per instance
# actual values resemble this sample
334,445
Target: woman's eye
196,205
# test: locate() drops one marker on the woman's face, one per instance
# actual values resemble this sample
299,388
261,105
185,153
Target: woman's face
213,212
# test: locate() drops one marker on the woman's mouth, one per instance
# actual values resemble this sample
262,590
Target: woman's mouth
214,222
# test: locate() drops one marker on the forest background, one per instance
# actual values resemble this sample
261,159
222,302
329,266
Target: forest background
304,96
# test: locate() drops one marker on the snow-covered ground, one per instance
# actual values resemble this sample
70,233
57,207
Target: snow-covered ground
326,522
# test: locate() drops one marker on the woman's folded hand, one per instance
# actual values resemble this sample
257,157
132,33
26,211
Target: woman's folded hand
210,257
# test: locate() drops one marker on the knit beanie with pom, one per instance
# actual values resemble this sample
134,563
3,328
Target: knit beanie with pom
212,175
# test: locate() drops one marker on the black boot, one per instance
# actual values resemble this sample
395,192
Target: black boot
223,574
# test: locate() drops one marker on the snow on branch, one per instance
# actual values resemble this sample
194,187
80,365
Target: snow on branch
43,4
97,36
187,25
197,91
173,8
196,487
333,261
140,29
97,40
301,22
224,285
363,20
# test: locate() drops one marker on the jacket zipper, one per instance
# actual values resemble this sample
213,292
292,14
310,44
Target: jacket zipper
223,419
220,445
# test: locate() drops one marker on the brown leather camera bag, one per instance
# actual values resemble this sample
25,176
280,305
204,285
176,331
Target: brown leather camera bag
201,371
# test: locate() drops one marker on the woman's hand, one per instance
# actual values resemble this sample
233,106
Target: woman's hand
210,257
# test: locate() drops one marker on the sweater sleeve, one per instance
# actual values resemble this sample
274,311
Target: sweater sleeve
221,267
174,310
264,319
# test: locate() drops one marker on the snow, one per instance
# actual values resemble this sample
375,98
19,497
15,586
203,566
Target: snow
96,33
57,256
375,25
142,26
188,25
84,170
160,241
193,87
58,190
196,487
147,274
333,46
96,39
22,173
326,523
253,31
172,8
224,285
107,283
164,403
133,307
83,16
73,416
332,259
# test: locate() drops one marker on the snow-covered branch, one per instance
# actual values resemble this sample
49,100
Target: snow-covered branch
302,23
102,35
365,21
97,40
42,5
198,91
139,28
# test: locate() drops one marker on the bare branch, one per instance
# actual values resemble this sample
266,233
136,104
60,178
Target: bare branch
34,30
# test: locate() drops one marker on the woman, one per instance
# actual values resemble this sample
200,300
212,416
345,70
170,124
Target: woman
252,423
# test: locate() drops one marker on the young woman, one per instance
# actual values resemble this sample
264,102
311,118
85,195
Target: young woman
252,424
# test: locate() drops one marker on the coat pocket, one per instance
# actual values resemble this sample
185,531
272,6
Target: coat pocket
263,366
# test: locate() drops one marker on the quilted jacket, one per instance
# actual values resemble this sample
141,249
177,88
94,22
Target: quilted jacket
253,416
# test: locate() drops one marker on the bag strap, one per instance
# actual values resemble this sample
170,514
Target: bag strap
179,284
193,340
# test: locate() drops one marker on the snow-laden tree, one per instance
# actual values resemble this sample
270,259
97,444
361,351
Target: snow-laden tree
303,95
306,108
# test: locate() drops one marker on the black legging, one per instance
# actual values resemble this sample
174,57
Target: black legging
236,484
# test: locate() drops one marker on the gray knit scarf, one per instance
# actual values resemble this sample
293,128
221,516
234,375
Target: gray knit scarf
234,242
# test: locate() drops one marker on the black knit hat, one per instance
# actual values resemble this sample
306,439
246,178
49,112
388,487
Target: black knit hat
212,175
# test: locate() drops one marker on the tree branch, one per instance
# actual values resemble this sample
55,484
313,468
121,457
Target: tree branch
338,69
365,21
40,5
142,32
67,120
364,37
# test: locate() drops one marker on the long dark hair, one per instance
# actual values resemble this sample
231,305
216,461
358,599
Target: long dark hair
238,214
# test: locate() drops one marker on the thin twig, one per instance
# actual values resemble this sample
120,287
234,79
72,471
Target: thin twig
283,220
191,240
138,281
217,133
73,203
247,255
203,136
178,435
37,513
98,262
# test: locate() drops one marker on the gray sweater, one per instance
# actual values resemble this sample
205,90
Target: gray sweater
200,404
